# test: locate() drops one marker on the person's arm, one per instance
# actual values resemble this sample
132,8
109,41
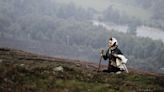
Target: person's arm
106,56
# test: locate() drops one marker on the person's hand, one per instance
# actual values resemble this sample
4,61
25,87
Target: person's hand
101,52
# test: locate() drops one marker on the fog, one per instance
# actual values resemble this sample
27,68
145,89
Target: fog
65,28
141,31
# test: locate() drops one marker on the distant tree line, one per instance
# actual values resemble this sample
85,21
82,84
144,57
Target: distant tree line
67,27
155,7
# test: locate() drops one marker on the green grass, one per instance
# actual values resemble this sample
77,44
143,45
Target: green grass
83,86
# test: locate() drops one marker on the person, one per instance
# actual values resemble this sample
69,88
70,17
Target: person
116,58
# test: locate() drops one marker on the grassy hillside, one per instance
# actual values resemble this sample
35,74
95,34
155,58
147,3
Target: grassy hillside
25,72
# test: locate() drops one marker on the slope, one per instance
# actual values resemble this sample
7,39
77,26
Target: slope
26,72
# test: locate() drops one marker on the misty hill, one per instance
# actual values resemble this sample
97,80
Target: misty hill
51,28
26,72
137,12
